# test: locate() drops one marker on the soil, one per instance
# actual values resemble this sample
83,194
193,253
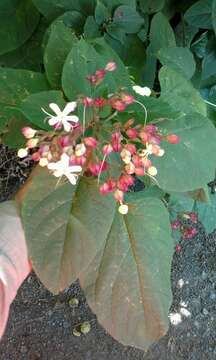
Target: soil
41,326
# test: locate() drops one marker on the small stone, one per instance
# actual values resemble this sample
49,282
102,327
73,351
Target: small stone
205,311
85,327
204,275
73,302
76,332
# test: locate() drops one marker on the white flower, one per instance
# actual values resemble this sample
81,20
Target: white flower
62,167
144,91
62,117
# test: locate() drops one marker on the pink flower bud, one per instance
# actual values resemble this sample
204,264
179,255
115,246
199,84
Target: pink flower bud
139,171
127,99
32,143
80,160
90,142
92,79
125,181
178,248
100,102
175,225
173,139
151,128
155,139
118,104
119,195
193,216
130,168
95,169
36,156
131,147
110,66
107,149
132,133
64,141
88,102
100,74
104,189
144,136
137,160
128,124
146,163
28,132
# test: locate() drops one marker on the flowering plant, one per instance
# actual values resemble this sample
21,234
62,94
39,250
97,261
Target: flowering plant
95,137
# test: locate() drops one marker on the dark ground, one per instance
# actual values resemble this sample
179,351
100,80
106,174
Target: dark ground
41,325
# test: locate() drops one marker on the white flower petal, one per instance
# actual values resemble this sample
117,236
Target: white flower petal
64,160
55,108
52,166
67,126
74,168
143,91
72,118
53,121
72,178
70,107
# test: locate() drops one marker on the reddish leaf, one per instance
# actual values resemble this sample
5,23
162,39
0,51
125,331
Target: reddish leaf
14,265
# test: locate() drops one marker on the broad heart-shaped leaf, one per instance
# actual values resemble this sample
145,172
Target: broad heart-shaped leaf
214,15
128,19
102,13
52,8
91,28
113,4
60,42
18,21
161,33
83,60
128,283
179,92
200,14
12,135
179,59
150,66
16,85
14,265
65,226
32,106
189,164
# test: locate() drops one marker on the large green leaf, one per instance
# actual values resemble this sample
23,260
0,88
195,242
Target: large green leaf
52,8
180,93
191,163
113,4
200,14
60,42
150,66
128,283
16,85
83,60
178,58
18,21
65,227
127,19
149,6
32,106
214,15
161,33
28,56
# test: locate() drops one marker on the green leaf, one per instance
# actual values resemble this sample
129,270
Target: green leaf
52,8
199,14
65,227
207,213
91,28
128,284
127,19
185,33
161,33
32,106
28,56
59,44
199,47
74,20
113,4
180,93
214,15
179,59
18,21
189,164
150,7
15,86
83,60
12,136
150,66
102,13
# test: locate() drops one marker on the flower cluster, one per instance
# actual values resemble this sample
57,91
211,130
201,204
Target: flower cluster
72,147
186,225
